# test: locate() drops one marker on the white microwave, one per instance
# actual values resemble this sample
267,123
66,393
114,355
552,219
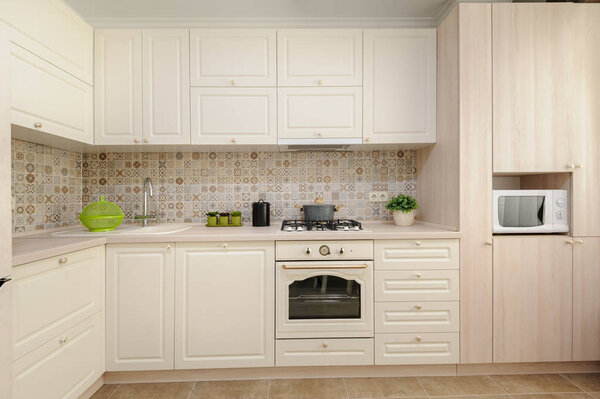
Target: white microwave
530,211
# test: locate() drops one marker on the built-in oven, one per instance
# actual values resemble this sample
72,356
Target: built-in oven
324,289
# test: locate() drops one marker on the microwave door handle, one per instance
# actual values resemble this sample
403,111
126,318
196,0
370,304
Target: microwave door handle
322,266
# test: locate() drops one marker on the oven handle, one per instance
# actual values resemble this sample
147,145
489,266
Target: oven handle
363,266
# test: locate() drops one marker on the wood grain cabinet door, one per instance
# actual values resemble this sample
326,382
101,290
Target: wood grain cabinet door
533,87
586,298
533,290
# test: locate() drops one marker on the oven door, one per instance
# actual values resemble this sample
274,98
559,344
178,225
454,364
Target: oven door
324,299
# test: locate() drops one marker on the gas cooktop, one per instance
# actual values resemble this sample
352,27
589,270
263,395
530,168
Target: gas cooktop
330,225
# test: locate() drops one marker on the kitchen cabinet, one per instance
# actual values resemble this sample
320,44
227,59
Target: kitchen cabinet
233,57
535,68
53,32
46,98
234,115
166,86
533,298
421,348
399,86
416,317
325,352
315,114
319,57
139,306
586,299
417,285
224,307
118,86
411,254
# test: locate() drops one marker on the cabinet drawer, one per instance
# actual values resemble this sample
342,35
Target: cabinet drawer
65,366
416,285
410,254
324,352
403,317
54,294
425,348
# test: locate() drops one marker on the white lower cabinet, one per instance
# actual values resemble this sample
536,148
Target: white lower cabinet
416,348
325,352
139,306
418,285
400,317
224,306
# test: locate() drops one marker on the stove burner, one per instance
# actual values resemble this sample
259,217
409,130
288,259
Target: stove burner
330,225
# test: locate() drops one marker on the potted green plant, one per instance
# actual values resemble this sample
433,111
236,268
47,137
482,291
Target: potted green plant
403,208
224,218
211,218
236,217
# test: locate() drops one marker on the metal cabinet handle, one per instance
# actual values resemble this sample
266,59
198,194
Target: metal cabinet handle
488,243
418,243
63,340
418,339
320,82
367,139
224,245
419,307
146,140
570,242
37,125
62,261
233,141
418,275
324,266
325,346
168,247
136,141
579,241
233,82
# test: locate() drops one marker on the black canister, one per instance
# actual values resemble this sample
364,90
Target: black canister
261,212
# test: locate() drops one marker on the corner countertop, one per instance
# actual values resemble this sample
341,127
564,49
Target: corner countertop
29,248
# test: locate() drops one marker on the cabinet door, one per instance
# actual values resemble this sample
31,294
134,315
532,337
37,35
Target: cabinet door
233,57
225,305
420,348
52,31
533,76
586,183
319,113
166,86
118,86
319,57
139,307
234,115
532,298
46,98
400,86
586,299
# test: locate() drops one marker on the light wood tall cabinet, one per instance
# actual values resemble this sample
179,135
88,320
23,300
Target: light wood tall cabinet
224,306
586,299
139,306
399,86
533,298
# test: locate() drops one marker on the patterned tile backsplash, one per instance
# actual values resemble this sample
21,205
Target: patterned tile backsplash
189,184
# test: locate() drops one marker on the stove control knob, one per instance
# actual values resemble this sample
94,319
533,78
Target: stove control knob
307,251
342,251
324,250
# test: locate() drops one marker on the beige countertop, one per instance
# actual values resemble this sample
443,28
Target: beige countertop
32,247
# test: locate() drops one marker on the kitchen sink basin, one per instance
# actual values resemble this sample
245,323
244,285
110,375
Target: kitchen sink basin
128,230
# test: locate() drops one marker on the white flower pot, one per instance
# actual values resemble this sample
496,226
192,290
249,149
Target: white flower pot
404,218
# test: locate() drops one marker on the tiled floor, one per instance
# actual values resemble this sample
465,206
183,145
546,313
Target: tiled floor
537,386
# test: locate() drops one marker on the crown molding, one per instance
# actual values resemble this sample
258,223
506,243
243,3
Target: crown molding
393,22
445,10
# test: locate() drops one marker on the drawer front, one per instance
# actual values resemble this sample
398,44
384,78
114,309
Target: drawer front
426,285
64,367
410,254
339,250
425,348
324,352
48,99
54,294
404,317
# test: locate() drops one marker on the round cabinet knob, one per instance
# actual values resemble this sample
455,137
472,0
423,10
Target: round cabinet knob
233,141
324,250
488,243
308,251
320,134
367,139
136,140
145,140
37,125
224,245
233,82
418,307
325,346
570,165
168,247
62,261
418,275
342,251
63,340
418,339
418,243
320,82
570,242
578,166
579,241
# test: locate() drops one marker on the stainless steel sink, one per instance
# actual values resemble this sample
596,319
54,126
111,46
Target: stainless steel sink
127,230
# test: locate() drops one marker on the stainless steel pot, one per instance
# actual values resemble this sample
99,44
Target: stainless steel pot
319,212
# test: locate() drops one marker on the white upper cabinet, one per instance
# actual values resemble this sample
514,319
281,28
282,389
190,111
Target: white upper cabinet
233,57
118,83
166,86
46,98
399,85
234,115
319,57
319,113
52,31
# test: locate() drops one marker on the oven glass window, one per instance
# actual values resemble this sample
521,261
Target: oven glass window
521,211
324,297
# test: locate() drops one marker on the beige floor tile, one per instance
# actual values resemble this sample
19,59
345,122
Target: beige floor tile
463,385
576,395
477,397
534,383
324,388
251,389
589,382
395,387
105,392
173,390
595,395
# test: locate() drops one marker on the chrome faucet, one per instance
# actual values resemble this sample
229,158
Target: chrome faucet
148,192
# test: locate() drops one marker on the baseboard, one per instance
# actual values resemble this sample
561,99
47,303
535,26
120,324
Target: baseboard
528,368
93,388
